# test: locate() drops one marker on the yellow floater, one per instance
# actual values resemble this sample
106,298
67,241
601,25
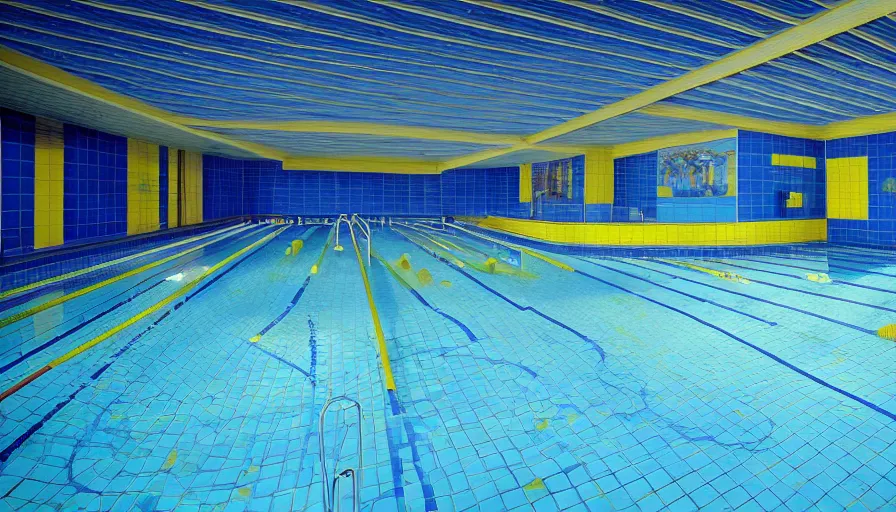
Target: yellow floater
728,276
818,278
887,332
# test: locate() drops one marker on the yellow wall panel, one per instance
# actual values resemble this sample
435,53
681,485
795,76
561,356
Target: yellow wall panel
847,188
722,234
191,192
795,200
526,183
807,162
599,177
48,183
143,187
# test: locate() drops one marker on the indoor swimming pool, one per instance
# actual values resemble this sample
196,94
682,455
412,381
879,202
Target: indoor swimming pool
216,369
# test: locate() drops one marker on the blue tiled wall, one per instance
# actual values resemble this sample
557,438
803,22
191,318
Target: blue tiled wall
880,228
479,192
762,186
598,212
163,187
696,209
502,193
222,187
96,176
18,182
634,187
268,189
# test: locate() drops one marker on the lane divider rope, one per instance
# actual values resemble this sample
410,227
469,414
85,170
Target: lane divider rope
136,318
524,250
96,286
100,266
377,327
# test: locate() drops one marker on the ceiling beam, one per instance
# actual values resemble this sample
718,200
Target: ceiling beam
816,29
360,164
357,128
808,131
52,75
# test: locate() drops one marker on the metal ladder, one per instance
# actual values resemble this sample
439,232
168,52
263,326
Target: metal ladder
363,227
330,482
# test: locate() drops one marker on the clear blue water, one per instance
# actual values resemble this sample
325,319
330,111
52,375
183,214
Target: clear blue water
627,384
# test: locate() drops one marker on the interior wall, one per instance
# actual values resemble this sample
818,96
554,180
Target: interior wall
873,173
481,192
66,184
222,187
18,134
269,189
634,188
96,180
69,184
770,168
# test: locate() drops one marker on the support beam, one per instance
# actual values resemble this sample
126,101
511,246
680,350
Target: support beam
357,128
56,77
820,27
360,164
808,131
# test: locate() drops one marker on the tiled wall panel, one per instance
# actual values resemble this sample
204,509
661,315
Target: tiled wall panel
880,228
95,190
764,187
268,189
17,223
222,187
634,188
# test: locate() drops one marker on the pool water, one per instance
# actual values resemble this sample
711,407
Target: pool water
522,380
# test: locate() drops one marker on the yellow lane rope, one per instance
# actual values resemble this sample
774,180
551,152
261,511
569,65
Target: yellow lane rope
524,250
83,291
377,327
136,318
100,266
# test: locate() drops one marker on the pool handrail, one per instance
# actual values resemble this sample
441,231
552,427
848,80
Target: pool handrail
356,219
329,483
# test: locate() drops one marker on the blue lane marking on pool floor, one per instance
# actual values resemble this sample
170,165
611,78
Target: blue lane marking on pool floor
503,297
752,297
791,276
762,351
701,299
7,452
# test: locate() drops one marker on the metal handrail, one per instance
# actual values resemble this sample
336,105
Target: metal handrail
361,225
330,483
342,218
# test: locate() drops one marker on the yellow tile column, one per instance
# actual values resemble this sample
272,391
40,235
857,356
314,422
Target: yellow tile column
599,177
192,191
526,183
143,187
48,183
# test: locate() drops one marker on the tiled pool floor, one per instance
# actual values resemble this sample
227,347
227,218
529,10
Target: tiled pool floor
641,384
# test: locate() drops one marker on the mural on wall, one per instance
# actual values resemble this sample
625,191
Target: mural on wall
889,185
552,182
697,182
706,169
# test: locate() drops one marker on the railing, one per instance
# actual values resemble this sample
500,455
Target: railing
362,224
363,227
330,482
